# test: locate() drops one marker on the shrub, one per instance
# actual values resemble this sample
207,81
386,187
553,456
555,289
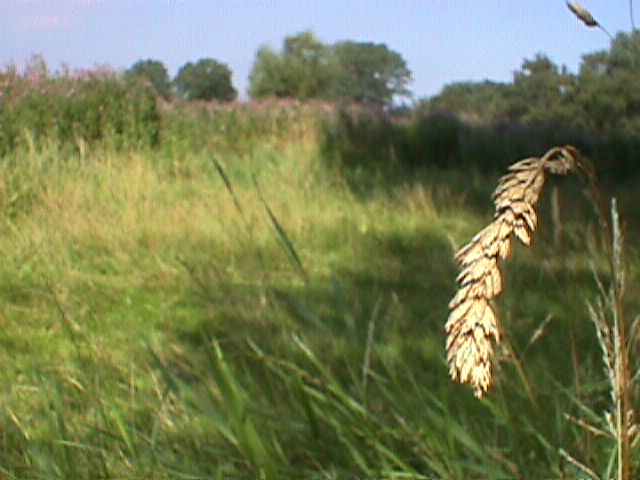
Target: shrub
357,137
61,111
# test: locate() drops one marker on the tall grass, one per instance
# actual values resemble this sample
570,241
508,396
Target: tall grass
472,325
231,304
40,112
358,138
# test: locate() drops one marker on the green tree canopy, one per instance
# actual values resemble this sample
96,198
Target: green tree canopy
476,101
624,53
155,73
207,79
267,77
370,73
609,91
303,70
350,71
542,91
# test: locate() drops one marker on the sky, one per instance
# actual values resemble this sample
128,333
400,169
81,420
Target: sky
442,41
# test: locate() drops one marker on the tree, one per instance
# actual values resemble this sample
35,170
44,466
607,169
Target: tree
370,73
609,93
154,72
351,71
472,100
625,53
302,70
267,77
308,66
207,79
543,92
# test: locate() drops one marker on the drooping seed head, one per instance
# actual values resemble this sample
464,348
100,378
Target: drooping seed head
472,327
582,13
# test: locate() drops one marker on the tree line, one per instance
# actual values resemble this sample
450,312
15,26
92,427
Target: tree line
474,123
304,69
488,124
603,96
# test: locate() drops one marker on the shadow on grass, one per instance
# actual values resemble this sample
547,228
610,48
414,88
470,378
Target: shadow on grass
404,284
348,370
366,343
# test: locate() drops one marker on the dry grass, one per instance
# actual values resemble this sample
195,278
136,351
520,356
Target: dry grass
616,339
472,322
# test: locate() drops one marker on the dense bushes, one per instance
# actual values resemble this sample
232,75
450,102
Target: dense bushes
62,112
237,128
107,110
356,137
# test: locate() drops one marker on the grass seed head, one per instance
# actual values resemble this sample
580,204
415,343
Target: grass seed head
582,13
473,324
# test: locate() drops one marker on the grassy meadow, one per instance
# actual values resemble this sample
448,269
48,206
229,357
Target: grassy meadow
240,300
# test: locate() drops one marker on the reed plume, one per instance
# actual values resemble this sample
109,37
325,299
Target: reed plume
472,322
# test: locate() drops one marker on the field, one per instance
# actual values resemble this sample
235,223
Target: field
238,302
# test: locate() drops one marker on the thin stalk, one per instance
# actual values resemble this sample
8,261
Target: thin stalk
622,351
585,17
613,248
531,395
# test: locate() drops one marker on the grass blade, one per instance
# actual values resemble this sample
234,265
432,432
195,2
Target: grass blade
282,236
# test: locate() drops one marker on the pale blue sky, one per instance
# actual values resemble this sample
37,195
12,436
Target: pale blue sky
442,40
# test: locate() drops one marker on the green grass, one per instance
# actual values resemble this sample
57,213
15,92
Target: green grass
245,310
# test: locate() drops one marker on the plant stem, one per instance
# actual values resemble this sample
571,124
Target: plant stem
622,359
613,246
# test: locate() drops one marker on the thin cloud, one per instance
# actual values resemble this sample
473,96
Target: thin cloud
41,23
47,15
